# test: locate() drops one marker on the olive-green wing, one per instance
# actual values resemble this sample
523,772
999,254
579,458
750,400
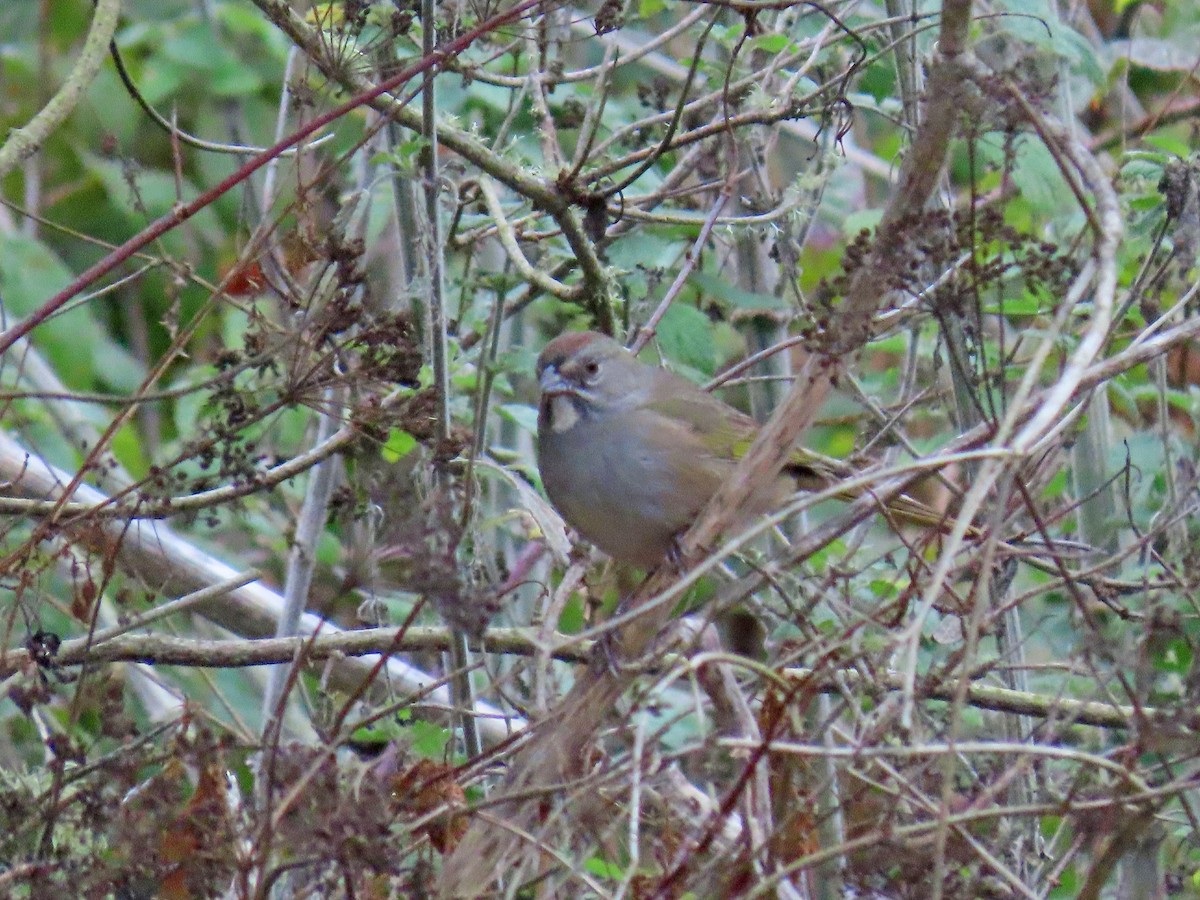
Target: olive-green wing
727,433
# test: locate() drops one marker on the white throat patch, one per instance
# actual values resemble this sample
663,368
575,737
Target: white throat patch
563,414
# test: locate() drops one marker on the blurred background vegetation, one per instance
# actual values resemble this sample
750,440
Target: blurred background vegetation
314,392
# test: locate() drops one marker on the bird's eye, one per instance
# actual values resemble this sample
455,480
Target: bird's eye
591,368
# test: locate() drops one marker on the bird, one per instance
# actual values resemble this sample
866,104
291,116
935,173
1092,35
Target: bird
630,453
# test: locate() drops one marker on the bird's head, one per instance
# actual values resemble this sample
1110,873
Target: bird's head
584,374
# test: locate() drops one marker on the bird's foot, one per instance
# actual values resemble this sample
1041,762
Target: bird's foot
675,557
606,653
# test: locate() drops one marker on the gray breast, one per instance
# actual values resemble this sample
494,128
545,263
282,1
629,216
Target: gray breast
612,490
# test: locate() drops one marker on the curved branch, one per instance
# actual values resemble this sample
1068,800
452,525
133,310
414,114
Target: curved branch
178,133
508,240
185,211
22,143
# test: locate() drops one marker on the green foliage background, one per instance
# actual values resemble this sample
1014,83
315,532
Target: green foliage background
797,120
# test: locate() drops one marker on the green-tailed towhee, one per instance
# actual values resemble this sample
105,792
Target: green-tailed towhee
630,453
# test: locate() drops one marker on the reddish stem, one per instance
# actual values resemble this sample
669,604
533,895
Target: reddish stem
185,211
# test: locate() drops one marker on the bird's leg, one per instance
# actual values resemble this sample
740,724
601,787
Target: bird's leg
605,648
674,557
606,643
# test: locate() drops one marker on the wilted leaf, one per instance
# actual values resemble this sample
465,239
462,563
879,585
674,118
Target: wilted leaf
549,522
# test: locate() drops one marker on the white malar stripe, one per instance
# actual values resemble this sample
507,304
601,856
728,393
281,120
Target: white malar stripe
563,414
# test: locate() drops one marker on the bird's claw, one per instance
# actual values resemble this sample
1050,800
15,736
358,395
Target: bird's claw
607,652
675,555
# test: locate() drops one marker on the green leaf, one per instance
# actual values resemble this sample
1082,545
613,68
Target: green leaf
196,46
861,220
1175,656
879,81
1067,886
602,868
1028,304
771,43
161,78
521,415
516,360
399,444
1036,24
1081,55
1144,204
234,79
686,335
127,448
146,194
1170,143
73,341
883,589
429,740
730,295
839,442
325,15
1159,54
570,620
646,250
245,20
1038,177
386,729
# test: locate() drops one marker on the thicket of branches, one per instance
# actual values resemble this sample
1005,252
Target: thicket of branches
283,610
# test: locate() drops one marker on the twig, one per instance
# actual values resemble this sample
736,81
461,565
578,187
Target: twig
22,143
163,650
185,211
190,139
158,556
646,333
302,558
508,240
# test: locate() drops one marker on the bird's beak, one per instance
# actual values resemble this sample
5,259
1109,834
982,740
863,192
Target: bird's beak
552,383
